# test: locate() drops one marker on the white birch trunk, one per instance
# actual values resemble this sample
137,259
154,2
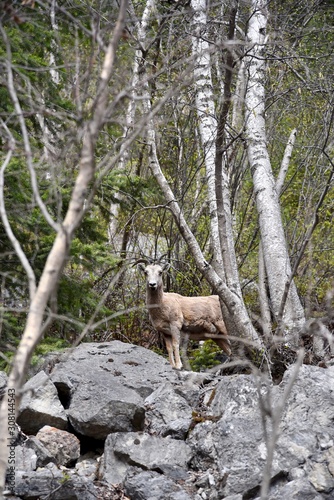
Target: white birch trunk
206,117
49,140
276,258
238,99
264,300
53,71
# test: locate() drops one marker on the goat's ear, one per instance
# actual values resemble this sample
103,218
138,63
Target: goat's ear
166,266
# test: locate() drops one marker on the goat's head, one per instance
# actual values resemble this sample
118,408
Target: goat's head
153,273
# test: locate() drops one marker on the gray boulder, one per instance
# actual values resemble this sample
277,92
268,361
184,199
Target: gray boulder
51,482
105,386
25,458
40,405
168,413
299,489
43,456
123,450
234,446
87,466
98,409
149,485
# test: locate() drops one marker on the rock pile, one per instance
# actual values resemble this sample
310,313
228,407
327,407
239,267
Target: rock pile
115,421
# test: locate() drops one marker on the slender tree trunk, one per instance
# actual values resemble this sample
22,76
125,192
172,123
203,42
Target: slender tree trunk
276,257
49,139
263,295
221,175
285,161
207,121
238,99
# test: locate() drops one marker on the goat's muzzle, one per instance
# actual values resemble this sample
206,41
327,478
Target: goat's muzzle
152,286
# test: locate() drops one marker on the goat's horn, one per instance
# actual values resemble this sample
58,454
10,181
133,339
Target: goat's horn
162,257
144,261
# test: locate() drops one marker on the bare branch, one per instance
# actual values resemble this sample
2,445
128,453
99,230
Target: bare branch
286,161
11,236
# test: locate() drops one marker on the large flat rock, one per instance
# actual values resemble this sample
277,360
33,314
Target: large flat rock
104,386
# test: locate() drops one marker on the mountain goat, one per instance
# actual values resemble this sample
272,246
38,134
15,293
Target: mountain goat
200,318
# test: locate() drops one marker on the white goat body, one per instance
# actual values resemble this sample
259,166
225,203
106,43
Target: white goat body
200,318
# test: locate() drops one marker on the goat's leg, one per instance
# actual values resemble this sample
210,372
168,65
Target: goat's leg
184,341
220,325
176,349
223,343
169,347
176,346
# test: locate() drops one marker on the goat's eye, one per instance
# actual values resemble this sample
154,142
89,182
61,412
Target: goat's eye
160,273
145,272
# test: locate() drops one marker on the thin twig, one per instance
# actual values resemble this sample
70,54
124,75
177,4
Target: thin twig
11,236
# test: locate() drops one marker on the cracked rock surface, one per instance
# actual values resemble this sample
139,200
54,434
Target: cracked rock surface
122,424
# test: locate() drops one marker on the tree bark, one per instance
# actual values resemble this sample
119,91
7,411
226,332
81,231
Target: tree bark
221,175
276,257
207,122
263,295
